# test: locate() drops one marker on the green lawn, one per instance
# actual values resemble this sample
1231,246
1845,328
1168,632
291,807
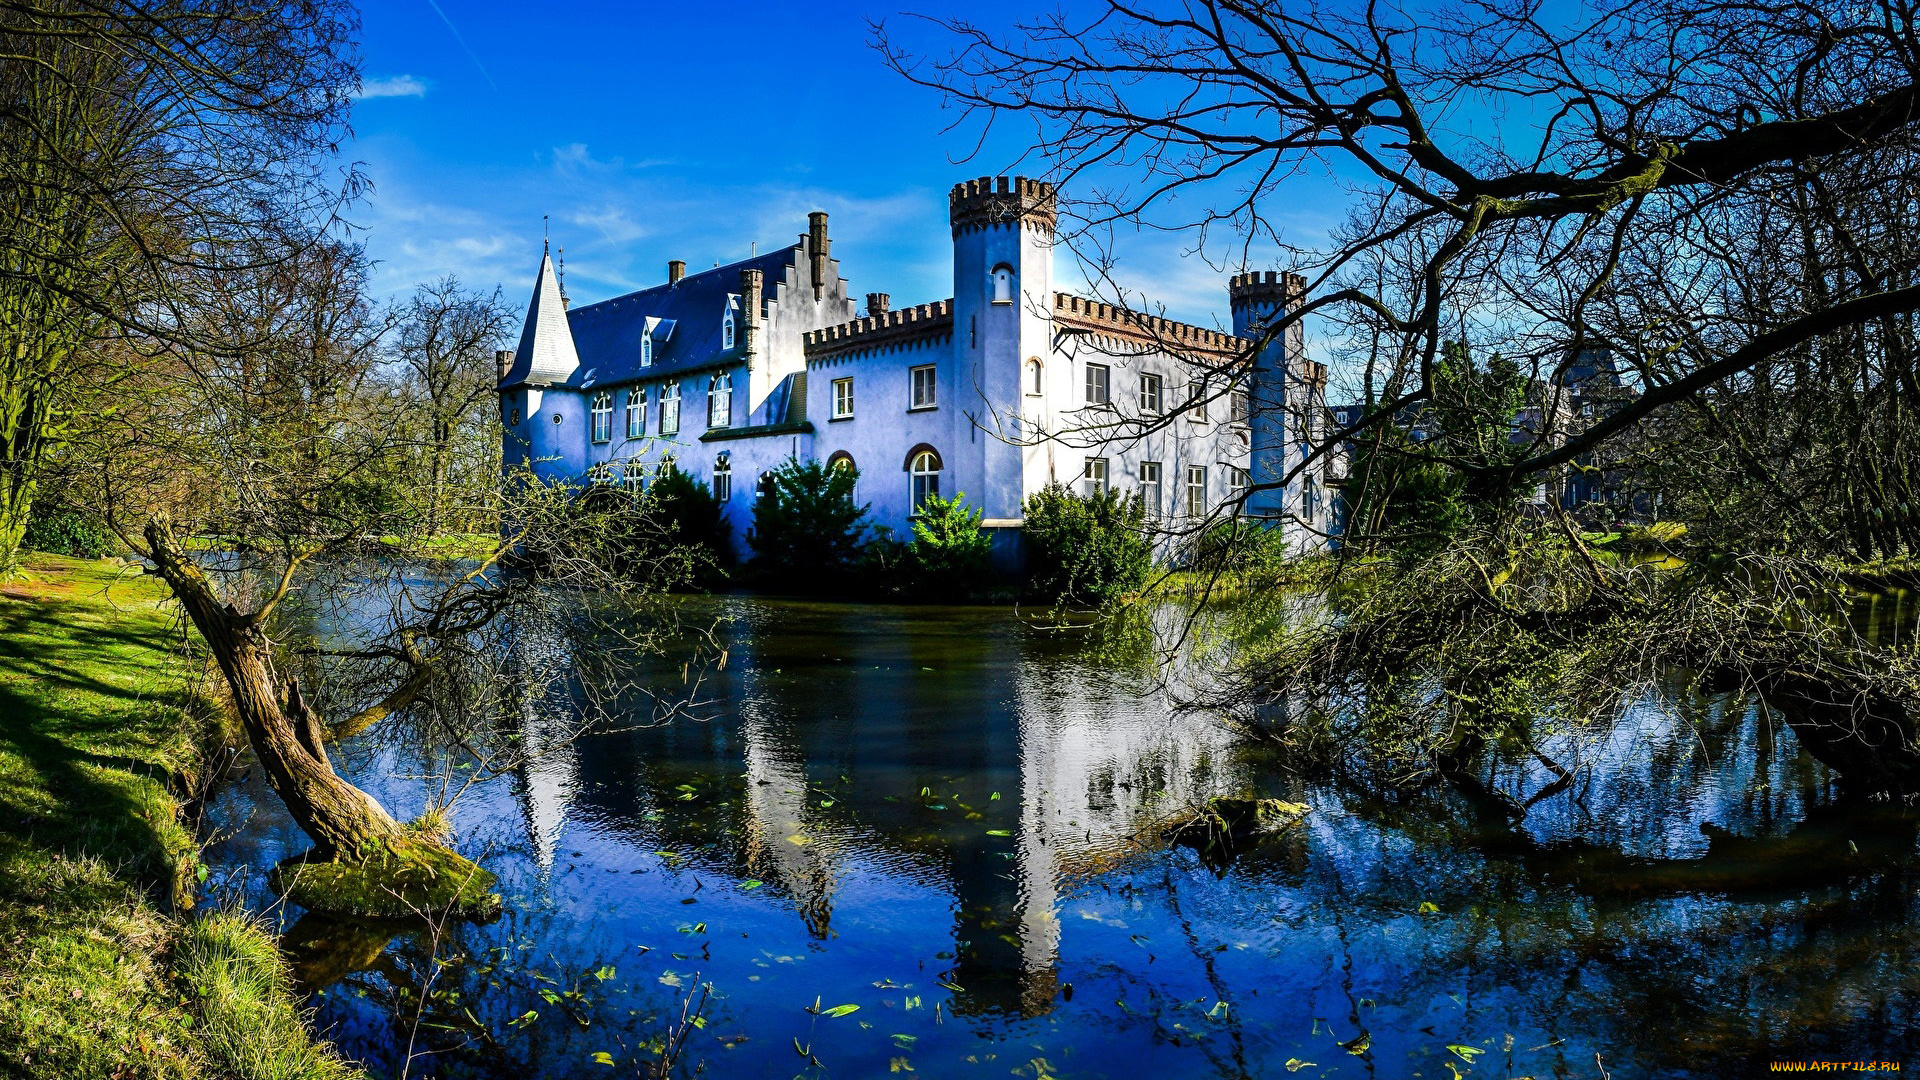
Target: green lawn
101,972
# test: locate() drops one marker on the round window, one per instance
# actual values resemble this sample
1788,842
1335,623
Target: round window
556,418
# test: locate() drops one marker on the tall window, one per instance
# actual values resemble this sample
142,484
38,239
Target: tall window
636,412
1309,500
634,473
1241,407
720,400
1238,481
1197,393
1099,378
842,398
1150,494
722,477
1003,284
1036,384
1196,490
923,387
726,327
646,350
1096,476
602,417
1152,400
670,409
925,471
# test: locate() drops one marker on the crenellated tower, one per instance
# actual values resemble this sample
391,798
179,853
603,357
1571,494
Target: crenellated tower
1280,389
1003,234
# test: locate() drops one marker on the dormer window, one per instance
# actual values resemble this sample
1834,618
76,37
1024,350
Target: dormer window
727,323
646,350
1003,284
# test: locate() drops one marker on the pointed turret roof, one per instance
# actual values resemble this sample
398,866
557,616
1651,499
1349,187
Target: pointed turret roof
546,354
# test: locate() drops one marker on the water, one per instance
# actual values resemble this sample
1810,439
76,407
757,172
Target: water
951,820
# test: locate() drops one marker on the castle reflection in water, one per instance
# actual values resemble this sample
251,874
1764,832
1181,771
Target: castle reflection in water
966,753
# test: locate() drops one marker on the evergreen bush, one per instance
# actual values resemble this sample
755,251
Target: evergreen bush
950,558
64,532
806,527
1085,549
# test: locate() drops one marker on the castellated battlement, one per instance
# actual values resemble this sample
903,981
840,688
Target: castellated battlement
1145,329
1270,286
1003,200
882,328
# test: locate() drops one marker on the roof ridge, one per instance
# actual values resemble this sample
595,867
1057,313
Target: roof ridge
672,284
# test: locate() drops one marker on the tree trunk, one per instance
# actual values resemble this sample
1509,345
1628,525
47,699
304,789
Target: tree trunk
343,821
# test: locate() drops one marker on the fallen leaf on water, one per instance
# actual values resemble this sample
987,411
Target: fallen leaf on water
1358,1045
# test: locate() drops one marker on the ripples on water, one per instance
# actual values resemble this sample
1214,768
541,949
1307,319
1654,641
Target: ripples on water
947,818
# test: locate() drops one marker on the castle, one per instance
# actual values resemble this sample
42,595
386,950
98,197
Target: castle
993,393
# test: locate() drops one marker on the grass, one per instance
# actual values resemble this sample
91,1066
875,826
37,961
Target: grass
101,972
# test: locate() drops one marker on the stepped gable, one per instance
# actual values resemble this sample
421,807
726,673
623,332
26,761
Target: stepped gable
989,201
881,330
1093,316
607,334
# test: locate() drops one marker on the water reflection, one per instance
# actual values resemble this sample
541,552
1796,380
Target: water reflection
954,822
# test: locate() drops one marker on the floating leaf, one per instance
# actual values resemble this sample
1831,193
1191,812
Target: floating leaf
995,797
840,1010
604,972
1295,1064
999,832
1464,1052
905,1042
750,884
1219,1010
1428,907
601,1057
1358,1045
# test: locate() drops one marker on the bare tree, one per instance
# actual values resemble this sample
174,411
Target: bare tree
445,351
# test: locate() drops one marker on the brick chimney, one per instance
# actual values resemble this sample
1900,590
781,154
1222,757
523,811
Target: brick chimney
676,269
752,285
877,303
503,359
817,246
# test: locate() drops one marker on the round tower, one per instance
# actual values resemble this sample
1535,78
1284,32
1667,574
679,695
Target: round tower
1255,296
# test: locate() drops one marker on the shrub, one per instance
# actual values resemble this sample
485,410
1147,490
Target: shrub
690,517
950,556
64,532
806,526
1085,549
1235,545
673,534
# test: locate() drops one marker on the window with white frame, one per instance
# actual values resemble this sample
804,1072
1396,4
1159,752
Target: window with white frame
1196,490
1095,476
1150,494
1240,406
1152,394
602,417
636,412
722,478
842,398
1238,480
922,394
635,475
1197,394
1099,384
1309,500
726,325
1036,381
646,350
670,409
720,400
1003,284
924,472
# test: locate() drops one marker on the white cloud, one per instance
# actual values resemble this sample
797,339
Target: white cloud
392,86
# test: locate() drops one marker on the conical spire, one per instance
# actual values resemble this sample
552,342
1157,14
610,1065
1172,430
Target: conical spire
546,354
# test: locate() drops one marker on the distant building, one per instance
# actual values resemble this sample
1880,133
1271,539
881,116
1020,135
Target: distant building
994,392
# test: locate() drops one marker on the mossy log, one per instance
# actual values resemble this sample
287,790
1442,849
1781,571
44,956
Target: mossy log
400,877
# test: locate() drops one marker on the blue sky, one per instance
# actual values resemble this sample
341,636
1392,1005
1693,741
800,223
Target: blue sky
657,131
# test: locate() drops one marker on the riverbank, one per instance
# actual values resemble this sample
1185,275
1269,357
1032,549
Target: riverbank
103,972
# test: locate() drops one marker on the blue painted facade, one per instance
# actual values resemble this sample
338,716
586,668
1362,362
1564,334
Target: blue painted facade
994,392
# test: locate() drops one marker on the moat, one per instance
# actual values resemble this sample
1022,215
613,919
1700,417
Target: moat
949,818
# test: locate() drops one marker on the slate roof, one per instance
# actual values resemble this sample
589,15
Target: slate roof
545,355
607,334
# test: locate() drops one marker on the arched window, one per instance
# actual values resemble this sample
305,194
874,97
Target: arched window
722,477
1036,381
923,471
720,400
602,417
841,460
670,409
726,328
646,350
636,412
1003,284
635,475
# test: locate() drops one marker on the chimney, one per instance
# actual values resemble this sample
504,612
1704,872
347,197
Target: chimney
752,284
503,359
817,244
877,303
676,269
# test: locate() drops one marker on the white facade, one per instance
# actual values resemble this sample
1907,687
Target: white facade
993,393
